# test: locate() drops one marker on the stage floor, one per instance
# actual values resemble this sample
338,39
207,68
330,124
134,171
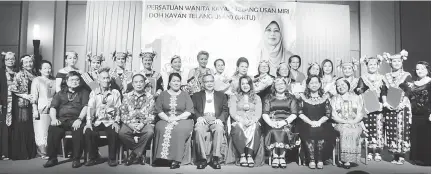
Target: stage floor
35,166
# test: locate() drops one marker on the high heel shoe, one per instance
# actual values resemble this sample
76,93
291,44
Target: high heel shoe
275,162
401,161
369,157
320,165
347,165
250,161
175,165
243,161
312,164
282,162
378,157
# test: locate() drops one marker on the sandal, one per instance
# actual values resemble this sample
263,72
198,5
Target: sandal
282,162
401,161
369,157
275,162
378,157
312,165
320,165
243,161
347,165
250,161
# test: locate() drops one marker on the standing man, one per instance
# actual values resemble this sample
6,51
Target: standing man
211,110
68,110
137,115
103,114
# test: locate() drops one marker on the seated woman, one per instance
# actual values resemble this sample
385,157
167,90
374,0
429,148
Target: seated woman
347,113
280,109
246,109
314,128
174,108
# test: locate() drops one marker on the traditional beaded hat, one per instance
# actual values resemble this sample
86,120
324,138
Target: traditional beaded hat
147,52
99,57
352,63
402,55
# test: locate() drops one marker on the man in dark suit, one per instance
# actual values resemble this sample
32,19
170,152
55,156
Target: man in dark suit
211,111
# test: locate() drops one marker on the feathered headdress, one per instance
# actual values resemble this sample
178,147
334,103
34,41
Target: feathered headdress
29,57
365,59
8,54
353,63
71,54
125,54
313,63
147,52
402,55
99,57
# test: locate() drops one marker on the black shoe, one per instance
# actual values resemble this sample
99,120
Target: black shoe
215,163
76,163
131,159
175,165
202,164
142,160
51,163
91,162
112,163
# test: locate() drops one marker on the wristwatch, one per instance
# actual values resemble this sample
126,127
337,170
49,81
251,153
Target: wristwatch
286,121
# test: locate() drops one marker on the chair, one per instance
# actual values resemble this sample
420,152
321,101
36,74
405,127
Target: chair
336,150
127,152
68,135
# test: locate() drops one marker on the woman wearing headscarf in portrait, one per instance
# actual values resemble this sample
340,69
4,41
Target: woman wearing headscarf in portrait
195,75
242,66
398,118
263,80
23,138
272,46
42,90
420,97
147,56
121,76
328,78
348,68
90,77
279,111
7,78
175,66
71,59
375,82
245,108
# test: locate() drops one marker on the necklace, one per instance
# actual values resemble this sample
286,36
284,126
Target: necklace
72,96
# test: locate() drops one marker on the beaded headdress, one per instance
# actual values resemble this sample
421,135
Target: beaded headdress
125,54
99,57
342,63
147,52
8,54
365,59
402,55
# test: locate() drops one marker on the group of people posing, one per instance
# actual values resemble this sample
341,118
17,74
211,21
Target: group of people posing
207,117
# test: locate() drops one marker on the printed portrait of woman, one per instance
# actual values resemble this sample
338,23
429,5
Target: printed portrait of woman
272,43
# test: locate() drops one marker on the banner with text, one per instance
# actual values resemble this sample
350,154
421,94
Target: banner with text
225,29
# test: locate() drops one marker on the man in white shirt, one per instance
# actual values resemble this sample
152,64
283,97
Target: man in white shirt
211,112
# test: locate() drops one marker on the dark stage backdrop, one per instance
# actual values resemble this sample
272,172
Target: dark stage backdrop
416,32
